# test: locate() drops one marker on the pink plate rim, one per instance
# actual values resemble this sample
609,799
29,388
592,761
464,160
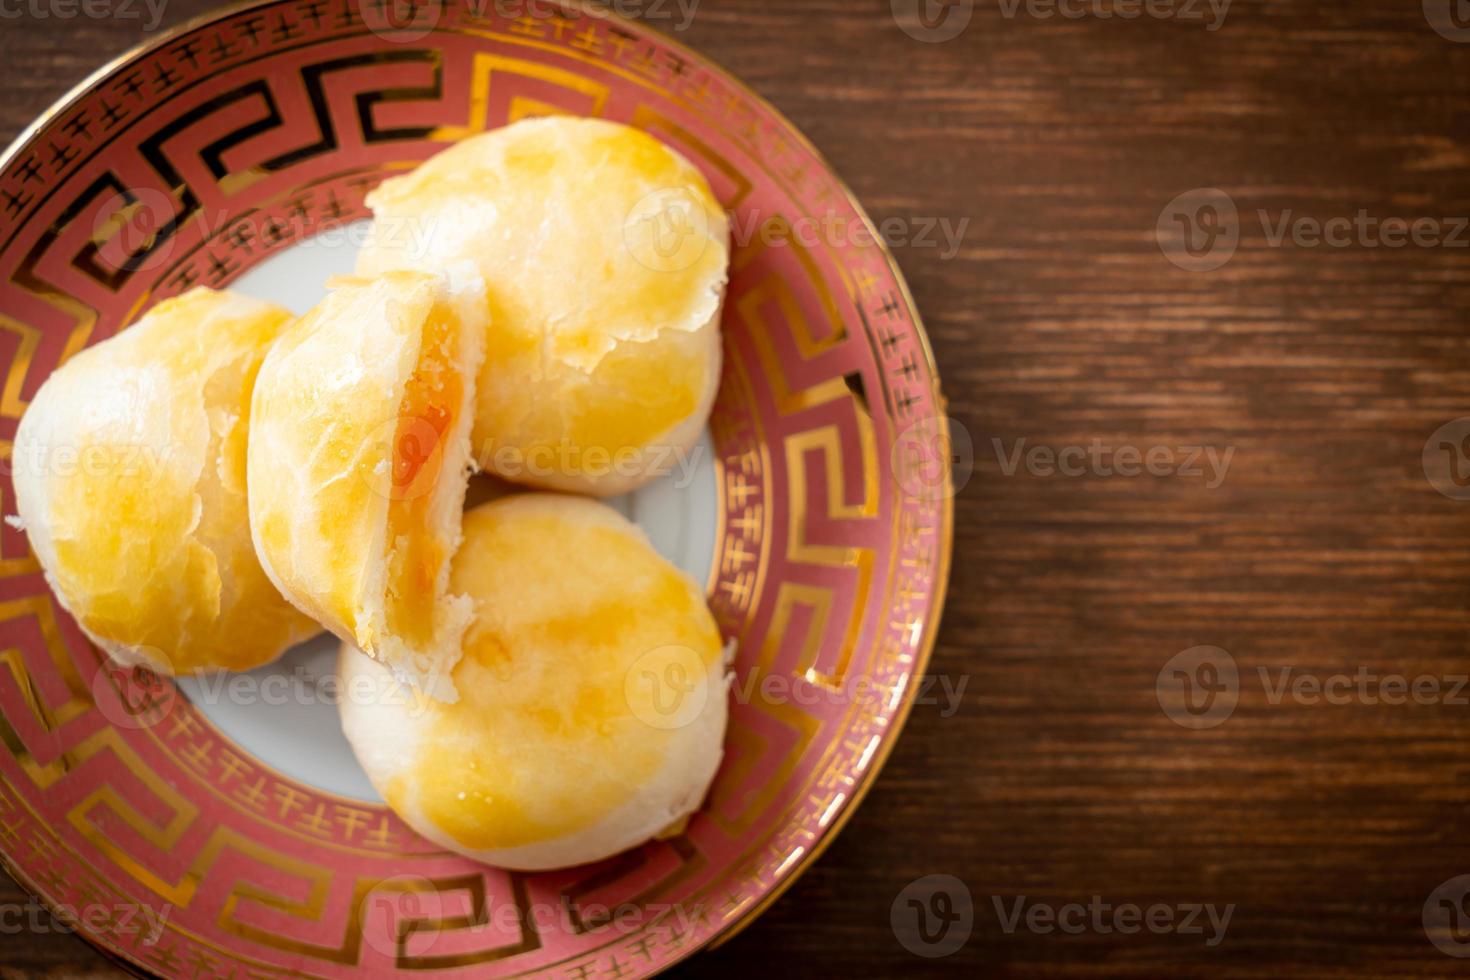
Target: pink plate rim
926,642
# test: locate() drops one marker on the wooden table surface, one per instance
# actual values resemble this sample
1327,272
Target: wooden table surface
1325,550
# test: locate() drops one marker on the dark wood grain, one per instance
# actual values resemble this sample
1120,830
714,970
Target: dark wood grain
1060,321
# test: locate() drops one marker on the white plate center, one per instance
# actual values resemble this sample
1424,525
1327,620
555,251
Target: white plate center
285,714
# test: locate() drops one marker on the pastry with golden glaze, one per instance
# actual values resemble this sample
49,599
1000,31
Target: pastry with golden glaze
129,473
359,460
606,256
593,695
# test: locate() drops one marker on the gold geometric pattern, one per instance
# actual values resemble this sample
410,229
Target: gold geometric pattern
558,92
820,574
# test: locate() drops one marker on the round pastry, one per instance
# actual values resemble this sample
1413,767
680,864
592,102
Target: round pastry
593,695
129,474
606,256
359,459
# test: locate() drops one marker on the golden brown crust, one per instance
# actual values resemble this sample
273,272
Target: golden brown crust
593,689
605,255
130,480
327,432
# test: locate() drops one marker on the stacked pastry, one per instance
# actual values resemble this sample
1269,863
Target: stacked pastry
249,479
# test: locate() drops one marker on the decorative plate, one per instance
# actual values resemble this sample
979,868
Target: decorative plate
208,829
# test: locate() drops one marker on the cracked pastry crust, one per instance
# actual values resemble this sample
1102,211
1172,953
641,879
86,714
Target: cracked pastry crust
359,461
605,257
129,472
594,695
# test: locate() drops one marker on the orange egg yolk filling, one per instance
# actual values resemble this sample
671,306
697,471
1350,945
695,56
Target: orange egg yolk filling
417,552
